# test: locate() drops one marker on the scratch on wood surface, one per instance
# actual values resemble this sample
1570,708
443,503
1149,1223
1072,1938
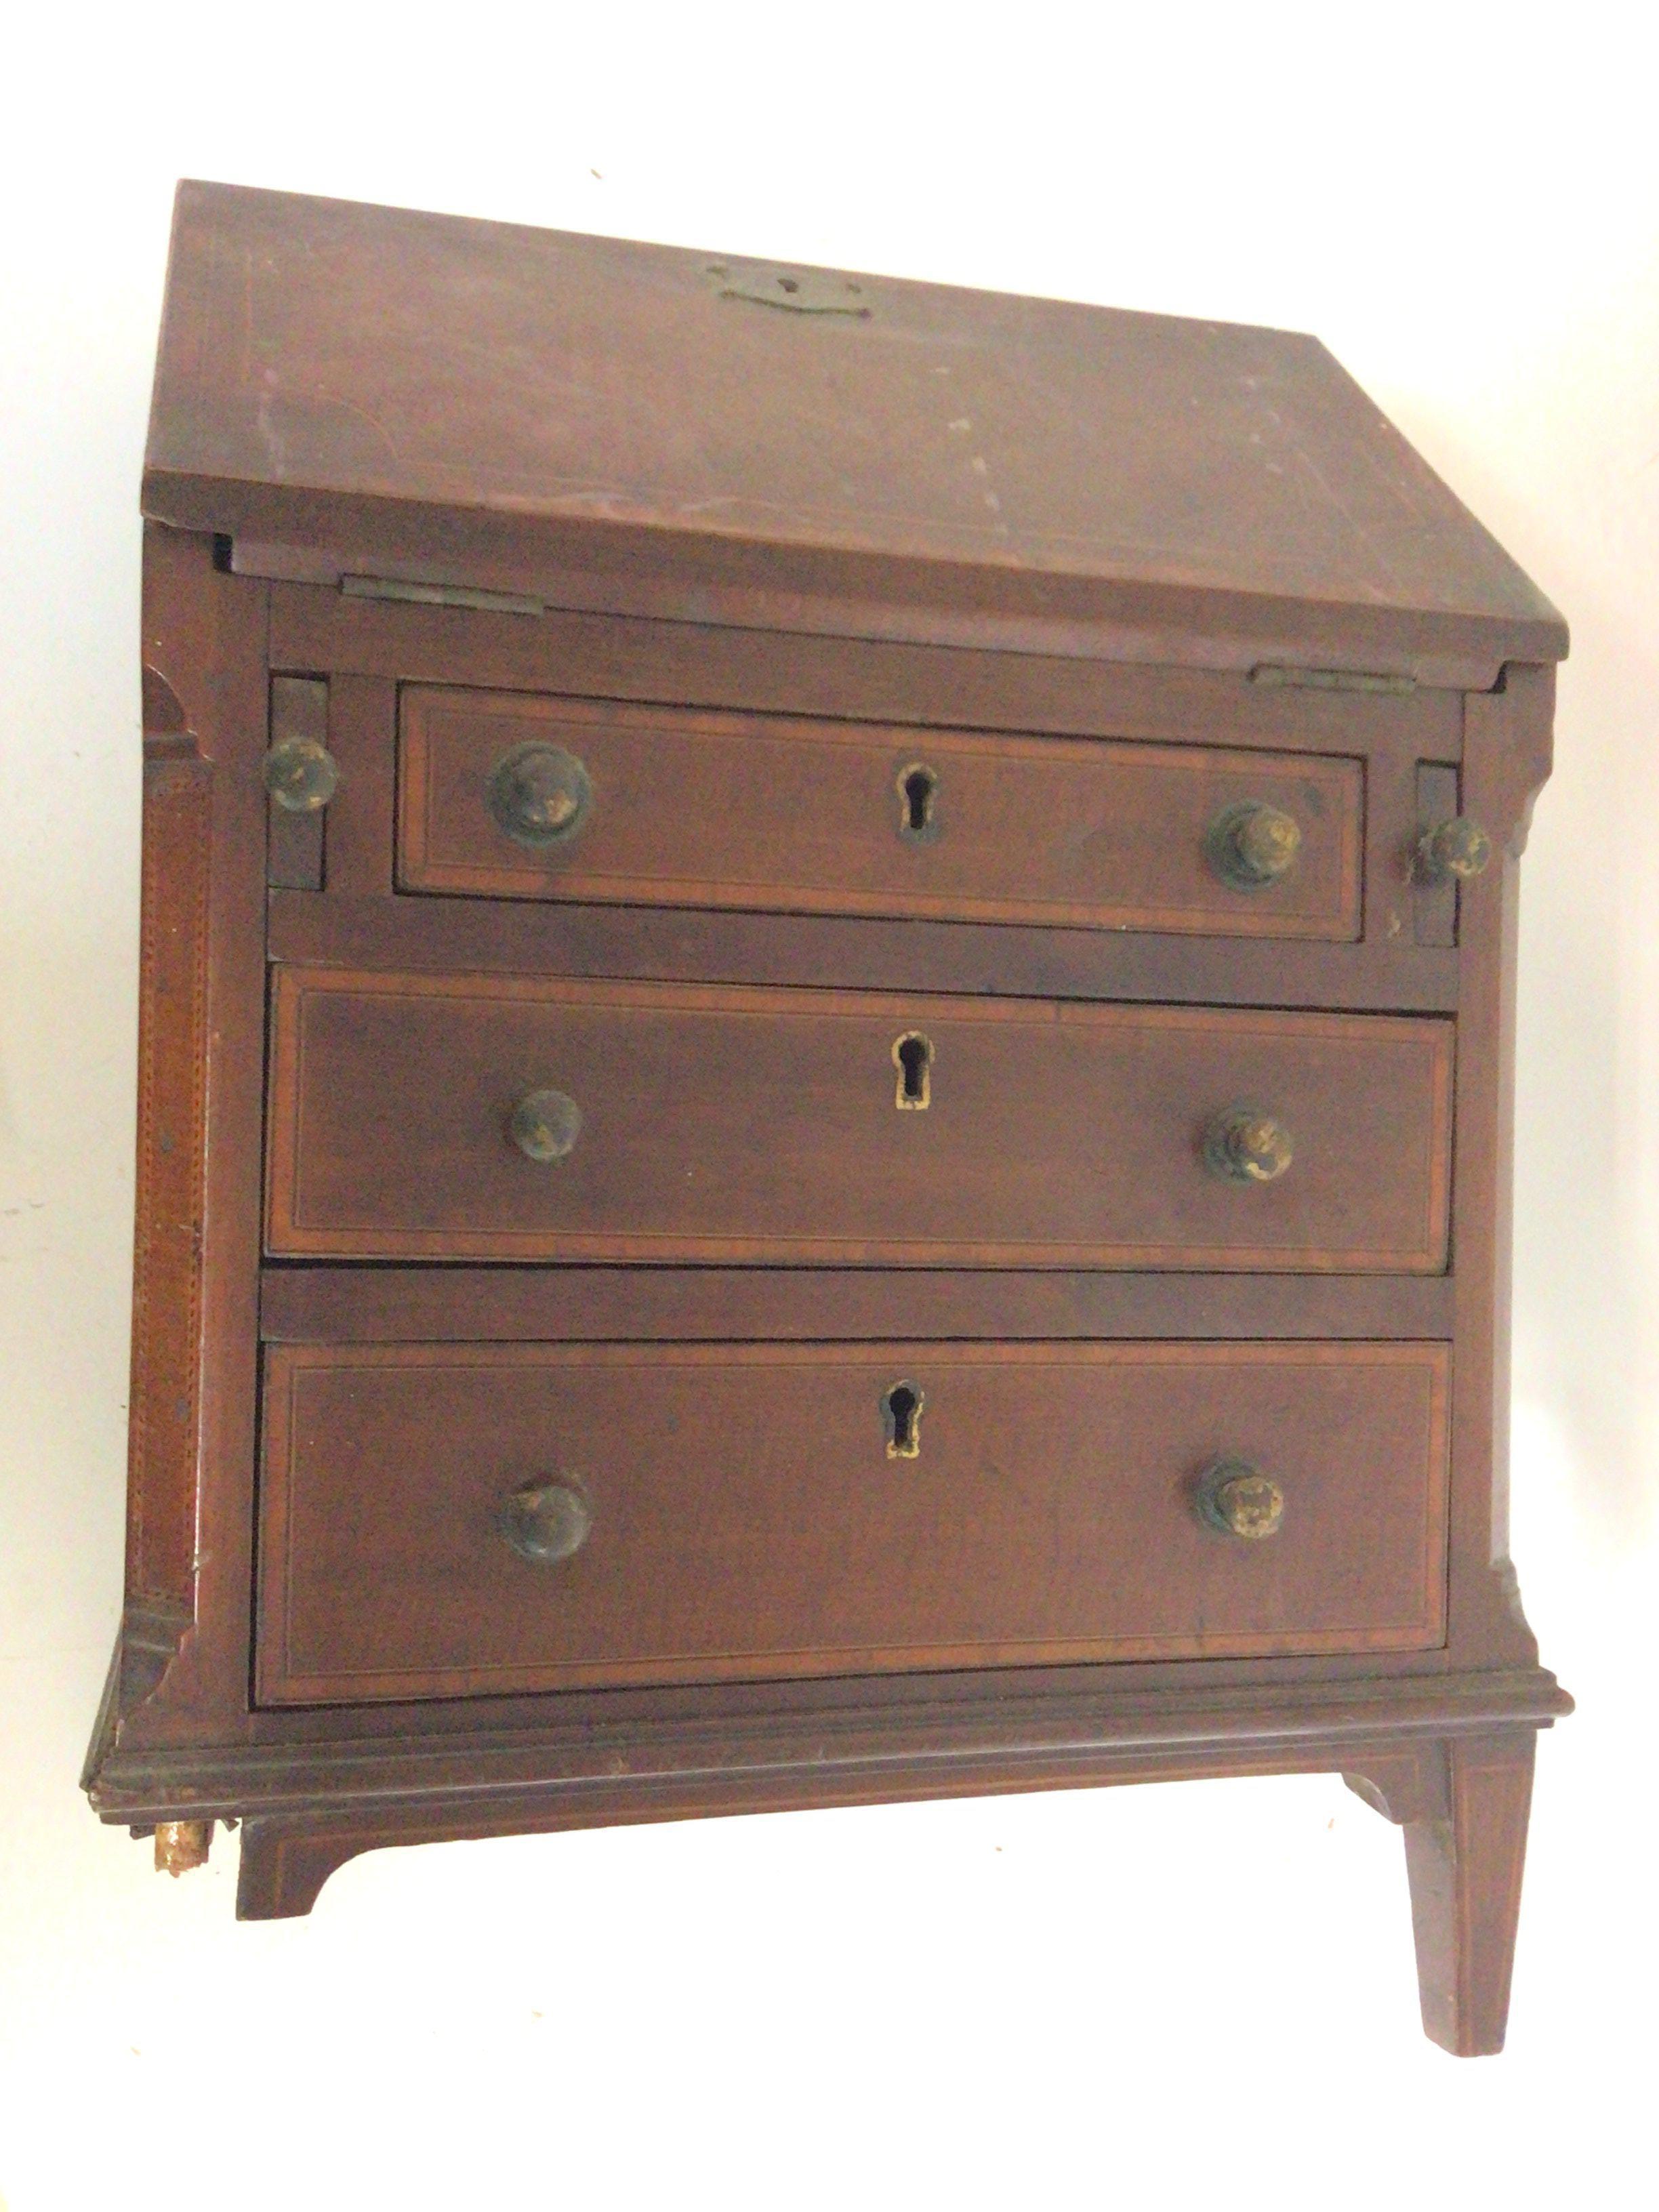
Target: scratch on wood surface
327,399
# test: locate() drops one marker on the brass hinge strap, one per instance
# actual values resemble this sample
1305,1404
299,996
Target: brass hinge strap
1331,679
439,595
797,291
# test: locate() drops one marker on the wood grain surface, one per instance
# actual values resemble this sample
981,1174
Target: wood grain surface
725,1124
340,1303
431,393
169,1200
467,936
786,814
750,1518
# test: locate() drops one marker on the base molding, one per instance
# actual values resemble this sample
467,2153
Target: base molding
942,1744
1447,1756
309,1805
288,1856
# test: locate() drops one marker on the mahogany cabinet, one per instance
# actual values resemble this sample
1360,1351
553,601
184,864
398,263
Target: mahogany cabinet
827,972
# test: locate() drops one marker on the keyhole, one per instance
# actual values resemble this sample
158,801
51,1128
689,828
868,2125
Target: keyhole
900,1408
913,1056
918,787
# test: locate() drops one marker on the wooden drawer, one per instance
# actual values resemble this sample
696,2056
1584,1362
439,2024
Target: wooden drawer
748,1514
682,808
723,1123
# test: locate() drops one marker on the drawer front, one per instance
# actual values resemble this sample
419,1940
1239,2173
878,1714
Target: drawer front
706,1122
721,1511
670,806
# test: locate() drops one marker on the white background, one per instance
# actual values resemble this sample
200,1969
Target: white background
1161,1998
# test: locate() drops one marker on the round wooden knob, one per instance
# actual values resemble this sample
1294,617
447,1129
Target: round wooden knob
1239,1500
545,1523
1253,843
539,794
300,775
1454,851
1245,1146
545,1125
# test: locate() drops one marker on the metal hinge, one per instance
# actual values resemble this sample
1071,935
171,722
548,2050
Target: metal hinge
1332,679
797,291
441,595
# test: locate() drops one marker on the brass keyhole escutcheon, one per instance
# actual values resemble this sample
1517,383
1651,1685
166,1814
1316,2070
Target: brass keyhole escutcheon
545,1523
540,794
918,794
1251,845
301,775
1239,1500
913,1056
901,1409
1246,1145
545,1125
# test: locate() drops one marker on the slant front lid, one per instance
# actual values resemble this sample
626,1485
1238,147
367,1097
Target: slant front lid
593,421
